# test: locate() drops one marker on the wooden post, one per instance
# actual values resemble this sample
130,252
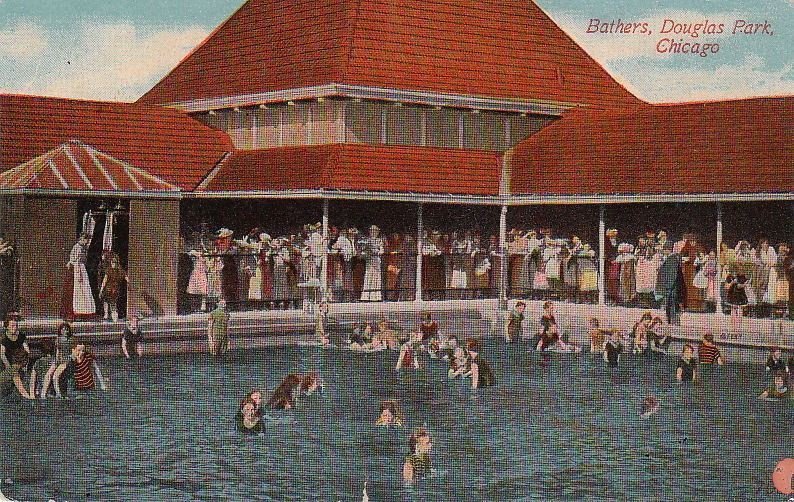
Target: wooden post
419,232
718,279
601,249
324,263
503,260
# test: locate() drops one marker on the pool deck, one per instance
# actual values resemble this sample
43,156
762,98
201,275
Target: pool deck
253,329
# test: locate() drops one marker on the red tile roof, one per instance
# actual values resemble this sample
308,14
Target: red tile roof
741,146
166,143
359,167
493,48
77,166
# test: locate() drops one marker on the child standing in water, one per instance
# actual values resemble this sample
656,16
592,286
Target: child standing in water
458,363
597,336
408,353
613,349
320,327
217,329
417,464
481,373
514,322
686,370
775,362
778,389
131,338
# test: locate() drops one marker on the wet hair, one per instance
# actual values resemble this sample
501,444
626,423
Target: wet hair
547,304
69,332
307,380
247,400
414,438
283,393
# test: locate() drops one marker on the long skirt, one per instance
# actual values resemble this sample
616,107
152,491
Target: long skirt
82,296
281,290
198,282
646,272
613,280
373,281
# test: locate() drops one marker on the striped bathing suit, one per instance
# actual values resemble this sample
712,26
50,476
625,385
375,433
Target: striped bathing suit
708,354
83,374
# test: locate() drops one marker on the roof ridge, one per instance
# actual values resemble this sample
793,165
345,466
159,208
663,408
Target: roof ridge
213,172
193,51
350,39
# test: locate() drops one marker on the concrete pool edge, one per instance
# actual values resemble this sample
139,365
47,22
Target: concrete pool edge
280,327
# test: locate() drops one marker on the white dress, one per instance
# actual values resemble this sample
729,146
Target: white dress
373,280
82,296
770,260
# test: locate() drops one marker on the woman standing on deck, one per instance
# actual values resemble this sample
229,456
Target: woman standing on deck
78,299
372,291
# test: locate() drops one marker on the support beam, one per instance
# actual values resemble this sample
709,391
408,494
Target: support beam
420,228
503,260
601,249
324,262
718,279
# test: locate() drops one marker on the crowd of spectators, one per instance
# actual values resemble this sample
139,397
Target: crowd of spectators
257,270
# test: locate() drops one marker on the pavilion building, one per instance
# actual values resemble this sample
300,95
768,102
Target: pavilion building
416,112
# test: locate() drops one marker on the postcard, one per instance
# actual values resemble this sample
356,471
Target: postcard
449,250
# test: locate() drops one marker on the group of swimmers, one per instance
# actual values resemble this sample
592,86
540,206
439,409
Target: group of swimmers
53,368
286,396
646,338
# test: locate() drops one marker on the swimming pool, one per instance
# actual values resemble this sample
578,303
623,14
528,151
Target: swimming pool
565,428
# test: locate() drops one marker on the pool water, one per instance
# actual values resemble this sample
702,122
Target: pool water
558,428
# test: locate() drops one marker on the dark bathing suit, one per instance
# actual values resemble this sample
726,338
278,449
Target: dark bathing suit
687,369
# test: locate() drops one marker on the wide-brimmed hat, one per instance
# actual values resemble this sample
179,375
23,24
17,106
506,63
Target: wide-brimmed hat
225,232
612,231
264,237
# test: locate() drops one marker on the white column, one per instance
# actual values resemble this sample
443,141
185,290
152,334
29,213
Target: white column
503,260
324,263
718,279
601,245
419,230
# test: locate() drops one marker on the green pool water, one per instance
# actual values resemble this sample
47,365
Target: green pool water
556,428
